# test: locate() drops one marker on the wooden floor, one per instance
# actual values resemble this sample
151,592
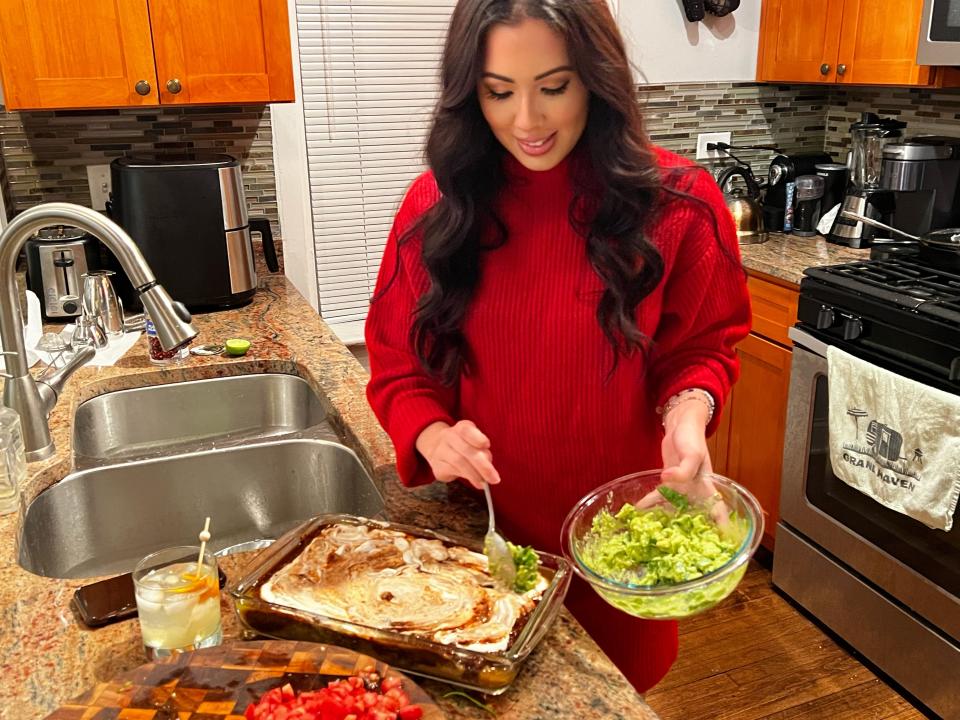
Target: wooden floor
757,656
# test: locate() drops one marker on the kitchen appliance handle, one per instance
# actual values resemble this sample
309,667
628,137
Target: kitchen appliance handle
262,226
753,188
850,215
807,341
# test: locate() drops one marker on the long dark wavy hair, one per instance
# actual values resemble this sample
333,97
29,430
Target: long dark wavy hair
615,178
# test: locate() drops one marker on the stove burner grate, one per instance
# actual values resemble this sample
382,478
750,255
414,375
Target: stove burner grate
899,281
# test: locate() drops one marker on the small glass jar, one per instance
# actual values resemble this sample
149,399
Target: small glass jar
159,356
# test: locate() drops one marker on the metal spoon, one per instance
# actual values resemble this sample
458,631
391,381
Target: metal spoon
499,557
850,215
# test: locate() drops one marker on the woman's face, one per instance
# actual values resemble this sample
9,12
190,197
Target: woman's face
530,94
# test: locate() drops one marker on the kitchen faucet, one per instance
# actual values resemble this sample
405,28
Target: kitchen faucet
34,399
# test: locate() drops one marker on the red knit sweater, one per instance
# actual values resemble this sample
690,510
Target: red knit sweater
538,385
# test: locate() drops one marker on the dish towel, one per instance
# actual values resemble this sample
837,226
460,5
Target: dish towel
894,439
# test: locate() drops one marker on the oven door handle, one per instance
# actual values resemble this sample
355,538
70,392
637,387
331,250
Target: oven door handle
807,341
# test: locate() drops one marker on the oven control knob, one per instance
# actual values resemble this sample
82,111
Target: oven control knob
825,318
852,328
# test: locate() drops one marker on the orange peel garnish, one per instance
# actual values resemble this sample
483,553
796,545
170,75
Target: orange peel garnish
204,582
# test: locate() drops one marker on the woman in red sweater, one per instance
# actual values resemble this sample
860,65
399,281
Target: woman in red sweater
559,300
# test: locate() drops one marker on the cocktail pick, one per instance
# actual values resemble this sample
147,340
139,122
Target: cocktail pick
204,536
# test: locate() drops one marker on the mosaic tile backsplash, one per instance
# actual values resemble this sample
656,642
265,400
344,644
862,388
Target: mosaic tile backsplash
926,112
45,154
788,117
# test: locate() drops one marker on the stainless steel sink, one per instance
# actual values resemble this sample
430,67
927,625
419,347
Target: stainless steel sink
167,419
103,520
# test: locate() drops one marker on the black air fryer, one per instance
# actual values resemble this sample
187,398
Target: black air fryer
188,216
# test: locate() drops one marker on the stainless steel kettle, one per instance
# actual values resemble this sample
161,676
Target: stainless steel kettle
744,205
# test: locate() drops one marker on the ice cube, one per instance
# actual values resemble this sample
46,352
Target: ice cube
147,606
150,594
177,606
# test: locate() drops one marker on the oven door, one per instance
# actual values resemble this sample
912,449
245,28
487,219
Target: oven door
918,566
939,33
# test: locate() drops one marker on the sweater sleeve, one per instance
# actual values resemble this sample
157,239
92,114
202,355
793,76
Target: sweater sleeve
403,396
706,307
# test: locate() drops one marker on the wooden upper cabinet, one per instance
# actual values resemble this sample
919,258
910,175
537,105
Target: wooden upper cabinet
222,51
879,43
76,53
799,40
853,42
121,53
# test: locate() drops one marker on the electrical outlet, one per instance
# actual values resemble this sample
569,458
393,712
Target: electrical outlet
714,137
98,177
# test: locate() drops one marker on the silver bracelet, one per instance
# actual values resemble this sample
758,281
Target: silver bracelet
689,394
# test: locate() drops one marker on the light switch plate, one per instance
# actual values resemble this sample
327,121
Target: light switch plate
98,176
714,137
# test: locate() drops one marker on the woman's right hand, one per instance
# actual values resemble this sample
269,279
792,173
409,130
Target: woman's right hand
458,451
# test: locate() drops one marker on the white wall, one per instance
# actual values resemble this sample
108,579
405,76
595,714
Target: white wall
293,184
665,48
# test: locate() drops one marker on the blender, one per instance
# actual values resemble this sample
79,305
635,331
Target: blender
866,196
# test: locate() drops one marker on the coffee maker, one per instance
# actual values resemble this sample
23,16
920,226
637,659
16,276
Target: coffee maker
781,181
866,196
924,174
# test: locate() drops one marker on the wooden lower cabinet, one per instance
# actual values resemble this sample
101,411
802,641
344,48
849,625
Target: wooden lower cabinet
748,444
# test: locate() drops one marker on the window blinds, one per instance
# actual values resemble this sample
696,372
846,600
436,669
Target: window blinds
369,71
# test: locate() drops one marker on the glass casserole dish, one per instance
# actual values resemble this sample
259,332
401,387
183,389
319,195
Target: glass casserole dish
487,672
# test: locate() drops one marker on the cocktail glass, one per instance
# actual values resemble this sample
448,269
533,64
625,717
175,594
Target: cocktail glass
179,607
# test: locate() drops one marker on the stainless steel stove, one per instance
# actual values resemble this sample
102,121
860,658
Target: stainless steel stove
887,584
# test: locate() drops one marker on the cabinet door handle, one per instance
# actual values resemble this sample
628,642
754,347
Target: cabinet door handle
174,86
142,87
825,69
841,69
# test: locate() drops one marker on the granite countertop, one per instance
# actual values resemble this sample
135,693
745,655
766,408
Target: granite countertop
46,657
786,256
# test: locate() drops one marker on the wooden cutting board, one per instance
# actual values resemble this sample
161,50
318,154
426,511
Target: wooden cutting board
218,683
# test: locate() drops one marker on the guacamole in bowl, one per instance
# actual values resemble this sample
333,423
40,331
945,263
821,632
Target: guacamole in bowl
658,552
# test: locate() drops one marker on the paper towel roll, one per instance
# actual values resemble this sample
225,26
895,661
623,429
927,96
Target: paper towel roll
32,331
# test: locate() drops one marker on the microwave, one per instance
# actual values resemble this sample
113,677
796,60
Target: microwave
939,33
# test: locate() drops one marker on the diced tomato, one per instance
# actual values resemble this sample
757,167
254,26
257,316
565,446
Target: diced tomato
366,697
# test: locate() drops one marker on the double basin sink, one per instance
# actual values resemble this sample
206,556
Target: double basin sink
255,453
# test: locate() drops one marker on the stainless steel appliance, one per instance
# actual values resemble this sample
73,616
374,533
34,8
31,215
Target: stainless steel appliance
866,196
924,173
57,258
188,215
887,584
939,33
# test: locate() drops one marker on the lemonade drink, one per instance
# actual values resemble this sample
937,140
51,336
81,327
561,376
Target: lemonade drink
179,607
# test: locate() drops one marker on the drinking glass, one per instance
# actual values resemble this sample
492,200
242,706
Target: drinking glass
13,463
179,607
